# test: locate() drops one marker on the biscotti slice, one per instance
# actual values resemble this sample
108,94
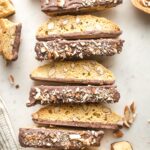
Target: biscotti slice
143,5
6,8
94,116
77,49
82,72
69,7
9,39
122,145
59,138
77,27
45,95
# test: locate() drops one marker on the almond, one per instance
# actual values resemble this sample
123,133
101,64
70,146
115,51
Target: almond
118,134
52,72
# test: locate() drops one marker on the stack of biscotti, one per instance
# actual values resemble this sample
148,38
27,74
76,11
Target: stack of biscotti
9,32
77,37
75,113
81,105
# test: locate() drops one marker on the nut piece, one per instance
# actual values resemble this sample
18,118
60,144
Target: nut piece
118,134
129,115
122,145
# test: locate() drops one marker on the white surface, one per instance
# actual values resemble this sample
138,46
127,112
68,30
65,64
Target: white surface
131,67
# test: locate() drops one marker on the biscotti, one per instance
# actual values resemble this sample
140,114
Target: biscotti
77,27
94,116
122,145
10,39
59,138
143,5
68,7
6,8
82,72
45,95
77,49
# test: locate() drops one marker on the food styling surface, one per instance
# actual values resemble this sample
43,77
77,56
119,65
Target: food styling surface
131,68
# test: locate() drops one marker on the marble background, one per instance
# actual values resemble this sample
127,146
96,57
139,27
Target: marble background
131,67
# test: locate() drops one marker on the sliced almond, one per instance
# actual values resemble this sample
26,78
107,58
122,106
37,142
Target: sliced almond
126,124
127,113
132,107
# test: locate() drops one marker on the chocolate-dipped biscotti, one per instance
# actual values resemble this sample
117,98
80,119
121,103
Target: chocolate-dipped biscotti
94,116
46,95
81,72
60,7
9,39
77,27
143,5
6,8
61,49
59,138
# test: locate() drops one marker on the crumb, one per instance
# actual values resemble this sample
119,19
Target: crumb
11,79
17,86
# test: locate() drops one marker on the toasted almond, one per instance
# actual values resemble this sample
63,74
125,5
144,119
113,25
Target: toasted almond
126,124
132,107
118,134
127,113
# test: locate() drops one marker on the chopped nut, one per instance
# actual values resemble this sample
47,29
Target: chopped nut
106,110
77,20
74,136
65,22
127,113
51,72
61,3
86,68
118,134
72,65
51,26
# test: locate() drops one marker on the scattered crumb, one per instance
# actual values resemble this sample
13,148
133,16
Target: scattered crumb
11,79
17,86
